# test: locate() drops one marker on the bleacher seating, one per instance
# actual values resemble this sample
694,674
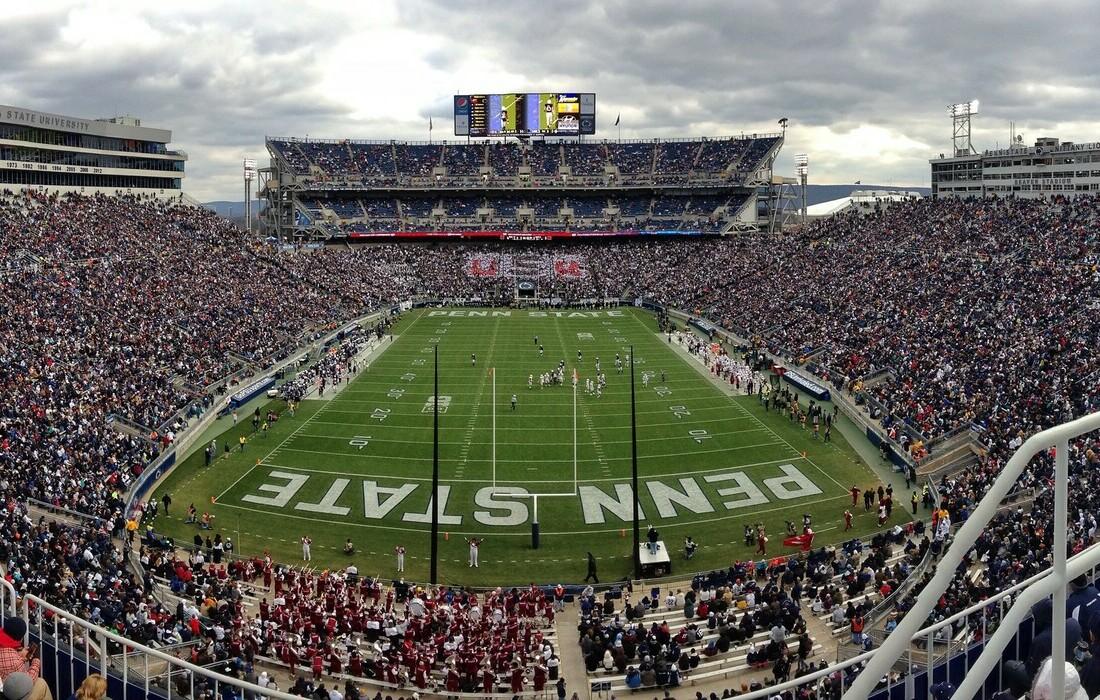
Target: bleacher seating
418,160
584,159
463,159
544,158
373,159
676,156
632,158
505,158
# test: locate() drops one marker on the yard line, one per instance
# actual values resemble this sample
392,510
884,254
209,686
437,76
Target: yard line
624,478
375,457
723,407
697,365
512,444
726,419
470,425
289,437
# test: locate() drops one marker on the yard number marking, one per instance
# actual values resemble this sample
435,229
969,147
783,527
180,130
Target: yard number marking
359,441
699,435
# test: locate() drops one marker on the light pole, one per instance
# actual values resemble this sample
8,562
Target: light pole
802,167
249,176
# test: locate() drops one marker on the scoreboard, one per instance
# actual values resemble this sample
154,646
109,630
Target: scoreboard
525,114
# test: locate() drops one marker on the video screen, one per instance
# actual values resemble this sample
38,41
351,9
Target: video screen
525,114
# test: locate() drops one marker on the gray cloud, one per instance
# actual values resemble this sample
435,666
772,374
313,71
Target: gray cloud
223,78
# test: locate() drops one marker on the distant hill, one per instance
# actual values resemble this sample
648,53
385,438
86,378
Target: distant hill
815,194
233,210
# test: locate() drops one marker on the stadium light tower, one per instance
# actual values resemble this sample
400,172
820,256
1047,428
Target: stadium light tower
960,123
249,176
802,167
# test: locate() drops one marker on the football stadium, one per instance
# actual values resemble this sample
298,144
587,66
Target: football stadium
531,410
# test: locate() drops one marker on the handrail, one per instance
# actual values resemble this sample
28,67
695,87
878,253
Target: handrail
104,635
1058,437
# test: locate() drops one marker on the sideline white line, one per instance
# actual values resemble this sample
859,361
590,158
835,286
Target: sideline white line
701,369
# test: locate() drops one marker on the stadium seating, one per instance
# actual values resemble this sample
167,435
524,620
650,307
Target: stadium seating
676,156
463,159
672,160
373,159
544,158
584,159
505,158
976,314
417,160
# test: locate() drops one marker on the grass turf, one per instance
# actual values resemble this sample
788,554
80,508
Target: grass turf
708,462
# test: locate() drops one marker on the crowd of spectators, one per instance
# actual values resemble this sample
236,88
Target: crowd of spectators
672,160
980,313
638,212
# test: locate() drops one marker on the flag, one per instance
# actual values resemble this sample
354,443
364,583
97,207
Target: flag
617,117
429,122
804,541
858,182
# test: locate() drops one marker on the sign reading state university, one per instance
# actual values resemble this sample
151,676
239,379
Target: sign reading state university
10,114
50,121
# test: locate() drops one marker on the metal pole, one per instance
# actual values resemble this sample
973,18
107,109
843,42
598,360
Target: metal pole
634,468
493,372
803,201
434,576
575,436
1061,488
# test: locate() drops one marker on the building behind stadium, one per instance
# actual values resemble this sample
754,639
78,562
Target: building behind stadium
1049,168
57,153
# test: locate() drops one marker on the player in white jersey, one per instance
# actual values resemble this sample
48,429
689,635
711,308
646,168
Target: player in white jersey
549,114
530,381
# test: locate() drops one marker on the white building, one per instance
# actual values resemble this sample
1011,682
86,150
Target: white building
861,201
56,153
1047,169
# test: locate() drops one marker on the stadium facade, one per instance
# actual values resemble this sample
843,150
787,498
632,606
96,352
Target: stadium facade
58,153
318,189
1048,169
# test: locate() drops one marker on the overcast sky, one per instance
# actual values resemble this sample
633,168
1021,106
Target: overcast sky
865,85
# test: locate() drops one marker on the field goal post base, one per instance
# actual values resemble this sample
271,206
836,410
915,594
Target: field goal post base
535,507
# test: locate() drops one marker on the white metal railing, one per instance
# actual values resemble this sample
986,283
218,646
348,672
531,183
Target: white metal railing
91,642
1057,437
89,649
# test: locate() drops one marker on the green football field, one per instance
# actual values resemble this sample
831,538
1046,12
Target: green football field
359,466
